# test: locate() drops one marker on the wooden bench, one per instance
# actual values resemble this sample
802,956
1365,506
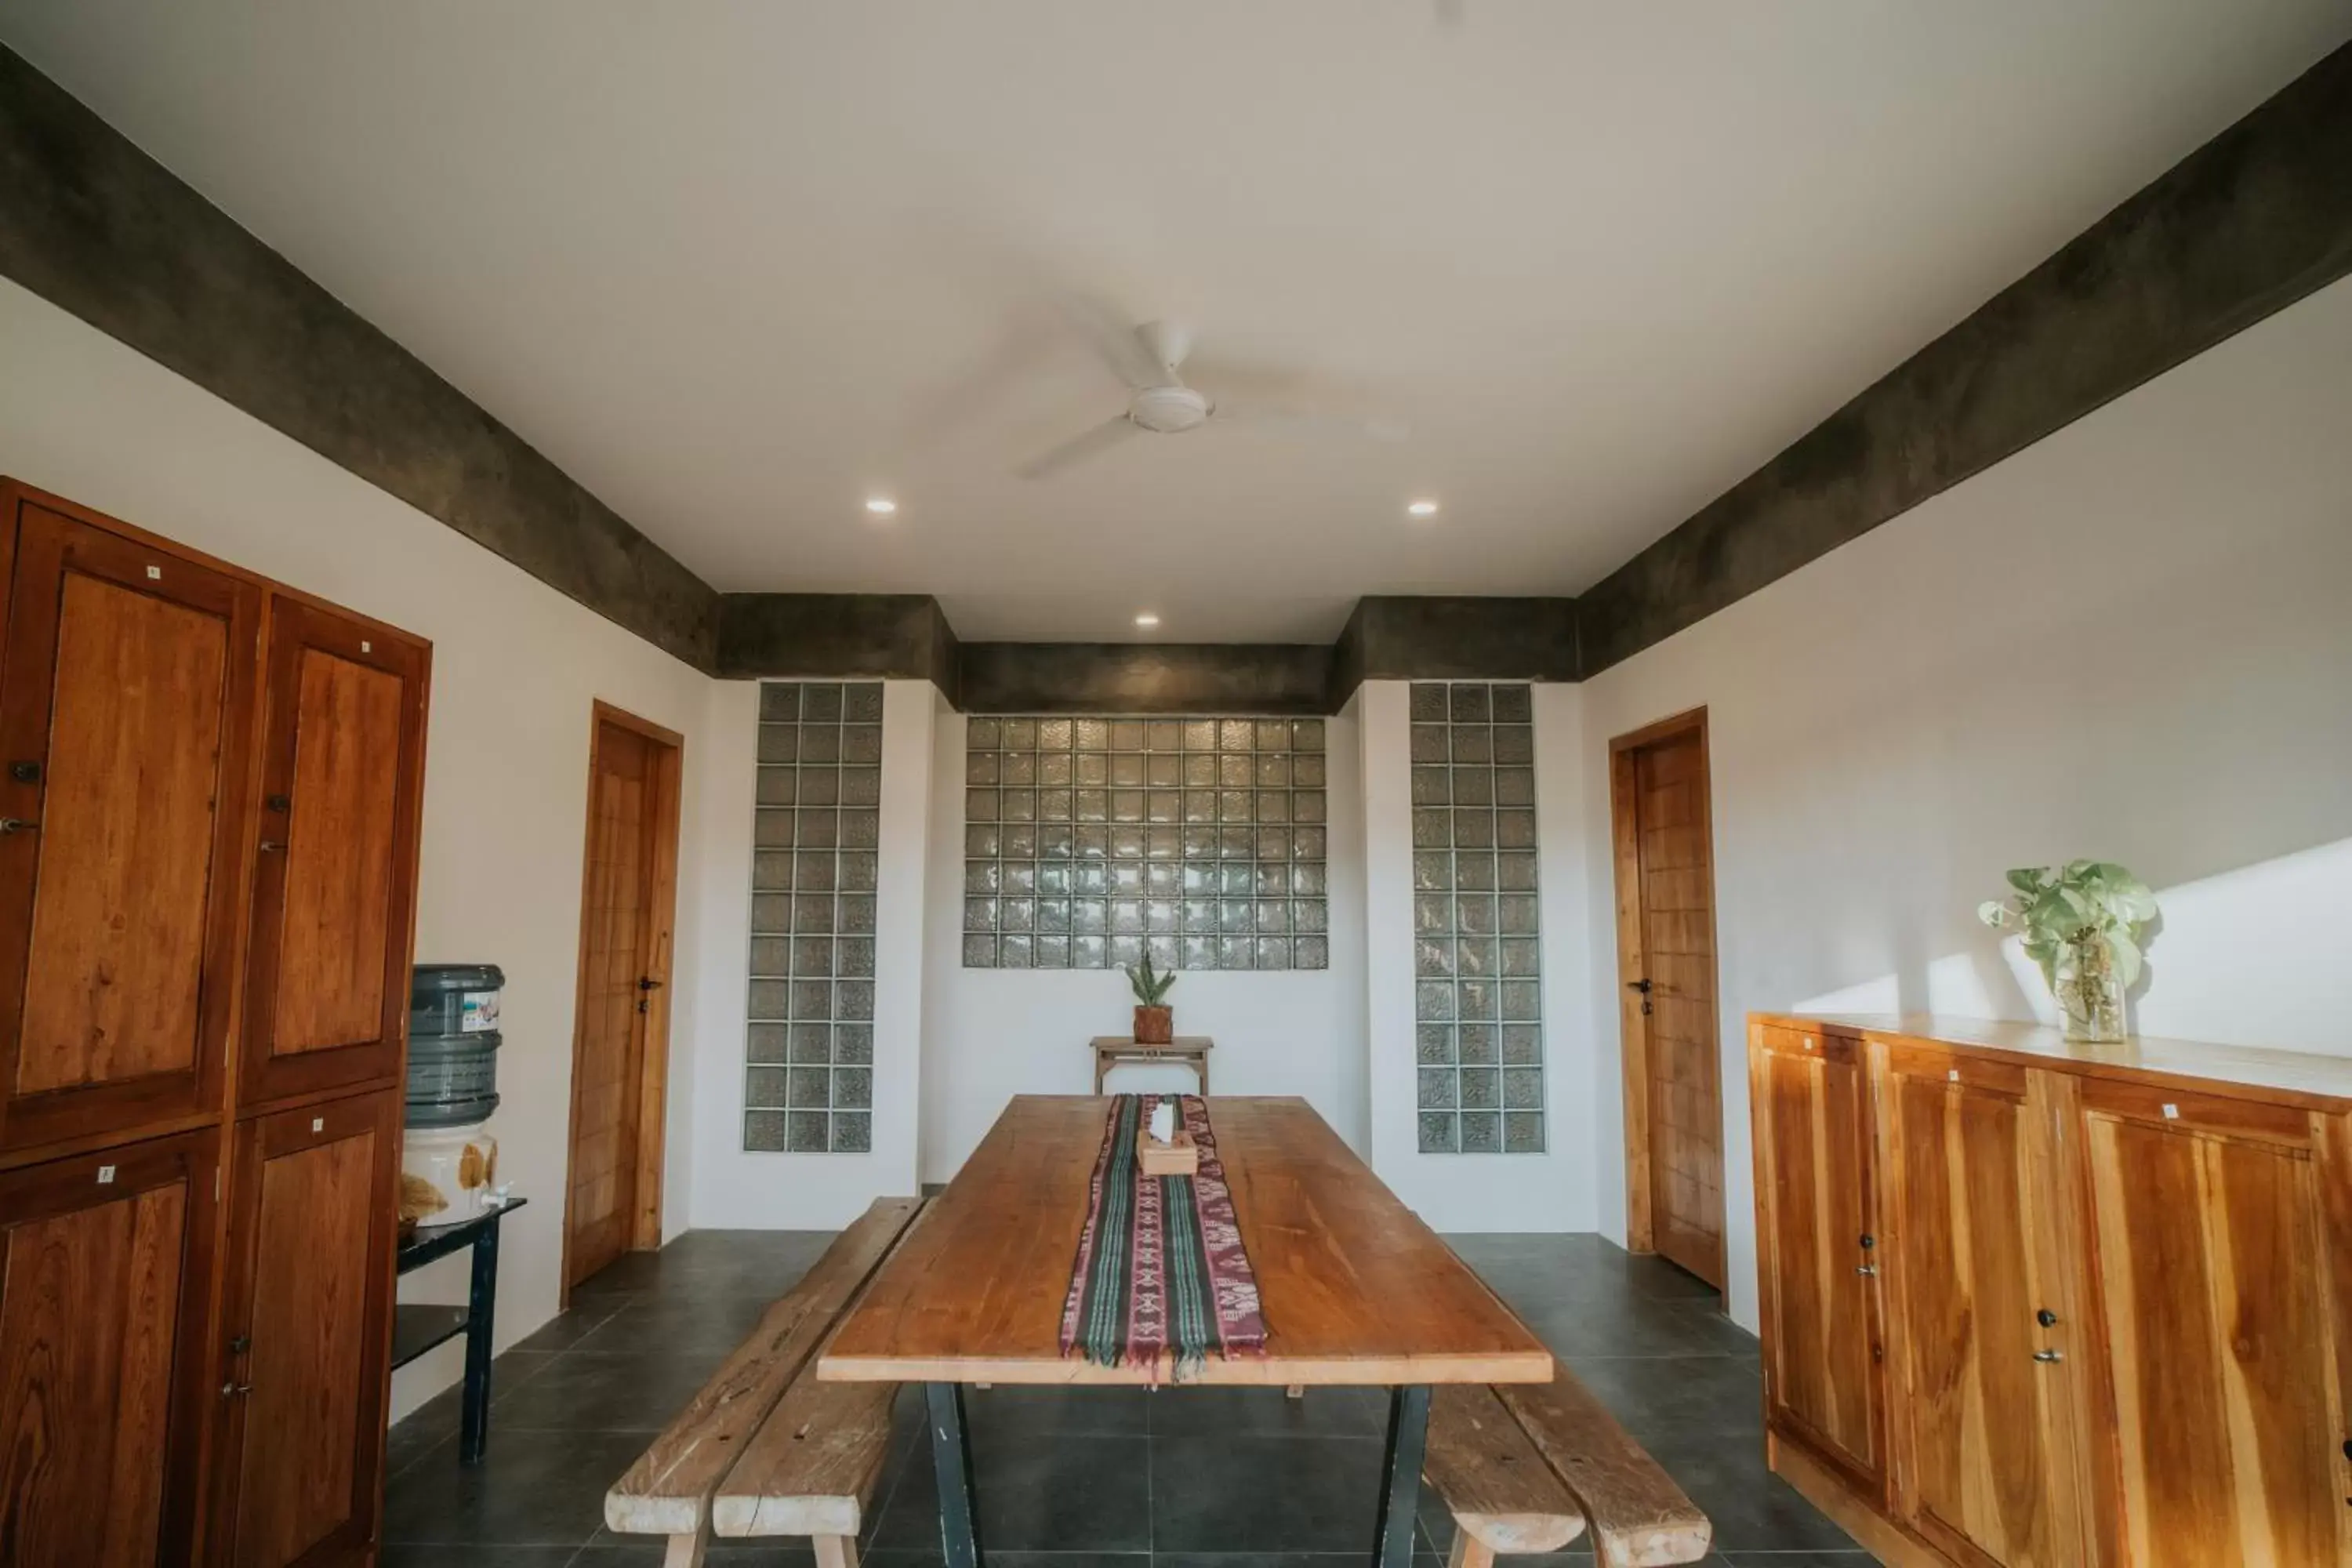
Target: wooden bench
1529,1467
765,1449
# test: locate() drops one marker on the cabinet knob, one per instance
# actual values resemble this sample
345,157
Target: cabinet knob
1868,1241
17,825
2048,1356
229,1390
2046,1317
1870,1269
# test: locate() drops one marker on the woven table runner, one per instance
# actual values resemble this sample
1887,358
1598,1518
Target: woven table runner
1160,1270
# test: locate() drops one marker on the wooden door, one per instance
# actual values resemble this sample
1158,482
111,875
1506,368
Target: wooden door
619,1039
105,1265
306,1334
2212,1222
126,716
1665,948
1980,1317
1816,1252
334,893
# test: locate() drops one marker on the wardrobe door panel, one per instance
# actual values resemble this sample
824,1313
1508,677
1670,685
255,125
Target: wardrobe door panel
310,1293
104,1274
342,760
126,715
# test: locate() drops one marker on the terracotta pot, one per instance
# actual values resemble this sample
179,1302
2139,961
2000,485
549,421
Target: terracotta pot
1155,1025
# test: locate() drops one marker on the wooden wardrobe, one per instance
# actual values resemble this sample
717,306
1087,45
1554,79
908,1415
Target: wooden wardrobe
209,792
2033,1304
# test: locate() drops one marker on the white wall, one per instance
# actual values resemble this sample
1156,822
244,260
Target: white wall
992,1034
2130,641
1549,1192
734,1187
515,669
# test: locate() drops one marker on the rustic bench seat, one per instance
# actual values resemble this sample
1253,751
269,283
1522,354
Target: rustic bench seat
827,1437
1527,1466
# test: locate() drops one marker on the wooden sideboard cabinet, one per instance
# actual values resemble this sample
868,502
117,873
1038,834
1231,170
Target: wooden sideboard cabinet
209,788
2039,1305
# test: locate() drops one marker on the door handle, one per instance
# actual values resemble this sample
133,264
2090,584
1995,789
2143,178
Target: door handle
1869,1269
17,825
229,1390
1641,985
647,982
2048,1356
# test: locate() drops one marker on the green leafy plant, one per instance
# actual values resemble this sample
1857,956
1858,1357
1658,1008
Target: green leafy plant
1150,988
2062,909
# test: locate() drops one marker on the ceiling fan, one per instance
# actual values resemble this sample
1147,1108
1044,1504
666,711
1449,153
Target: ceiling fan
1150,361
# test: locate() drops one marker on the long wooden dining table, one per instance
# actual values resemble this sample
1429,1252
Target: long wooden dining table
1356,1291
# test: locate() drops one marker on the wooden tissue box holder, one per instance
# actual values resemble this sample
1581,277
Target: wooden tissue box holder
1180,1158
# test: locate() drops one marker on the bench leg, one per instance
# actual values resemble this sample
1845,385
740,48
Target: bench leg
835,1550
951,1463
685,1550
1400,1477
1465,1554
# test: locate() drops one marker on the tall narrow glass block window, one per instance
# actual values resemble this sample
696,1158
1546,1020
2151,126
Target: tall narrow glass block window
1090,842
1477,956
809,1056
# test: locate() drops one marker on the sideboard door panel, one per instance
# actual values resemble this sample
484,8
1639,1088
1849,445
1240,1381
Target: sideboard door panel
126,714
2210,1228
1984,1430
342,744
1822,1368
102,1296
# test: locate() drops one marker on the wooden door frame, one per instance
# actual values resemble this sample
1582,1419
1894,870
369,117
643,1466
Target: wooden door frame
661,920
1624,832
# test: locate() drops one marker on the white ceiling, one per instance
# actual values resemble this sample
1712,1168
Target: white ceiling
720,261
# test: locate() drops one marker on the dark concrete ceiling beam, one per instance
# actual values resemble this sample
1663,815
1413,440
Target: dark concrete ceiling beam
894,637
97,228
1145,677
1434,638
2254,220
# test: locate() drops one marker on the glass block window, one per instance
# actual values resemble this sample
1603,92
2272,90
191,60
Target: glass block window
809,1056
1090,842
1477,981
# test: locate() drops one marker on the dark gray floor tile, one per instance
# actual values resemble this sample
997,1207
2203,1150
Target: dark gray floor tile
1751,1509
1269,1413
1636,1326
1006,1410
1654,1396
1037,1493
432,1427
1263,1494
478,1556
1857,1558
568,1328
679,1323
531,1488
639,1391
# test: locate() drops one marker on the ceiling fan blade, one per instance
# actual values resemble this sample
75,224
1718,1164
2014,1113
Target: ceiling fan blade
1116,341
1079,448
944,412
1165,345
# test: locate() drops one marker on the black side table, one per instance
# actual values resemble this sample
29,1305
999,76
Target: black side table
417,1329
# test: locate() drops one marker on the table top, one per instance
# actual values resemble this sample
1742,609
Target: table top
1356,1289
428,1243
1127,1042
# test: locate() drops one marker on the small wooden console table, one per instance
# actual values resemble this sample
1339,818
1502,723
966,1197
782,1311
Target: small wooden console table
1192,1050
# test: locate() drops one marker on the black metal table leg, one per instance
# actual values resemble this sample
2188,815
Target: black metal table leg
1400,1477
481,1300
951,1463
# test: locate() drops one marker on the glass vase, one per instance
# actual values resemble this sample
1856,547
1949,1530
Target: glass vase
2090,991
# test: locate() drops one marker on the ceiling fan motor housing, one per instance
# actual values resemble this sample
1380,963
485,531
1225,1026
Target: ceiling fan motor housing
1169,409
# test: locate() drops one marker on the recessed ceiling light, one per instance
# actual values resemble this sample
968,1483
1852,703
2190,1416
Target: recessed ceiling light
881,506
1147,620
1422,508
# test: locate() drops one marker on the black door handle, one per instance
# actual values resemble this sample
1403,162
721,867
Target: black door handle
647,982
1641,985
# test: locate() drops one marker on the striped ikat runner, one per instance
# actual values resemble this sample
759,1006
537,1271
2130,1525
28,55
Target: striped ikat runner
1160,1270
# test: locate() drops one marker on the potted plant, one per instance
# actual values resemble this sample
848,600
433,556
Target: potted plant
2085,924
1155,1021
